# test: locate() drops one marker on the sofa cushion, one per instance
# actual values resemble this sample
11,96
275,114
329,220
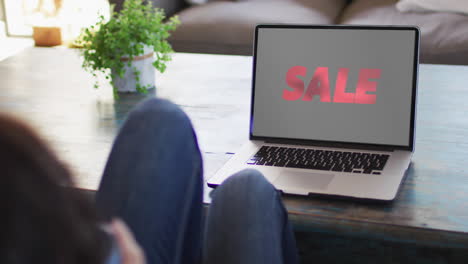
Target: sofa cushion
228,27
202,2
456,6
444,36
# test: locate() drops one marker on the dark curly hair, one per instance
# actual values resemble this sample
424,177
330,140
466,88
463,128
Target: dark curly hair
42,220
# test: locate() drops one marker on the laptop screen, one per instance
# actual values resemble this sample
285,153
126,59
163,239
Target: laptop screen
340,84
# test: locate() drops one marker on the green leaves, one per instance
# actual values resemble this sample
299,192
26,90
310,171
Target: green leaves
125,35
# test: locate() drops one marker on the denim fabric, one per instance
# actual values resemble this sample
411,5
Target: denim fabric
114,256
153,181
247,223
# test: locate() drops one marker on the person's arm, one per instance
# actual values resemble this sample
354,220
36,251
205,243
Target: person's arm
130,251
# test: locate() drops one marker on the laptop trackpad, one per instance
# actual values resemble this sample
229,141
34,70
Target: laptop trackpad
306,181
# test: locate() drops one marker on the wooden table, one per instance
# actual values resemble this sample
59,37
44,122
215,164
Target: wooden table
428,221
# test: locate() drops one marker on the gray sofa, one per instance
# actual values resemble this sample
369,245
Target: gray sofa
226,27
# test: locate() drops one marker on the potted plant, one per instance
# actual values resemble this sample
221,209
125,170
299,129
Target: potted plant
128,47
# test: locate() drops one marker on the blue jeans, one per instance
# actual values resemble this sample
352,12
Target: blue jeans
153,180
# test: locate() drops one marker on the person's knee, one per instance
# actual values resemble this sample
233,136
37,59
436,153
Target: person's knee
246,191
156,106
160,109
247,176
251,181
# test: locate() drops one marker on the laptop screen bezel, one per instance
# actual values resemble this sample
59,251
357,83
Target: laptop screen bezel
410,145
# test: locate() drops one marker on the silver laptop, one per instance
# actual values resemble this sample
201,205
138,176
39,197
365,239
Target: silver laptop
332,111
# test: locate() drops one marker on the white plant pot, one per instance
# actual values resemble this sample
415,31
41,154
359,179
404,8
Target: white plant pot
144,64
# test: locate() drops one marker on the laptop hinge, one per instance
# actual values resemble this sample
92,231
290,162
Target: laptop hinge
330,144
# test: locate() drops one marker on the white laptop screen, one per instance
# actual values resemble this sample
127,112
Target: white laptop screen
341,85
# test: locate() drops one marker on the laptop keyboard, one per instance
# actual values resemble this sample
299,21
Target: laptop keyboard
317,159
